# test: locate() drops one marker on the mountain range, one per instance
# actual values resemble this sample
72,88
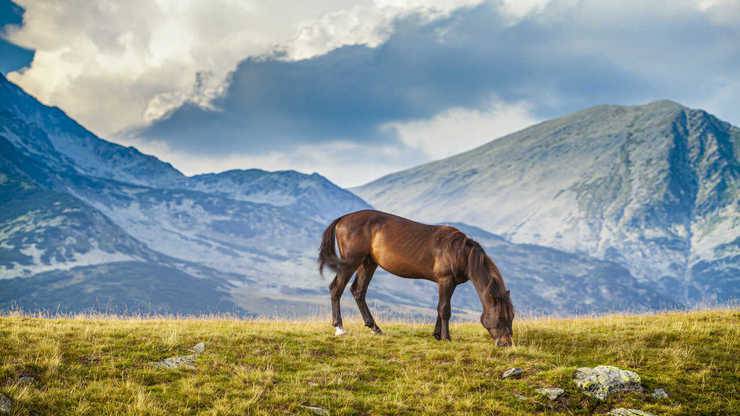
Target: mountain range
609,209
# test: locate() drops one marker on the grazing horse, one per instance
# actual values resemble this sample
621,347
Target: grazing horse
368,239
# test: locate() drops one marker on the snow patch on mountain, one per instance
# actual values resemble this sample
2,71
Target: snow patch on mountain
38,265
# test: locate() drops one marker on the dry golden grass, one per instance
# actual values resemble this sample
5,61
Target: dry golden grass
102,366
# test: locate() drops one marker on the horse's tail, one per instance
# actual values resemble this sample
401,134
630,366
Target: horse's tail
327,253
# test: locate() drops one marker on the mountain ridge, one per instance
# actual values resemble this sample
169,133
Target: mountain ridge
652,187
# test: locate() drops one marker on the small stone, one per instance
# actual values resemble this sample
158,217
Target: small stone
620,411
552,393
5,404
659,394
199,348
520,397
316,410
603,380
26,380
183,361
515,372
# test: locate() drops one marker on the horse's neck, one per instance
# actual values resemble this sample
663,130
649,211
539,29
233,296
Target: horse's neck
488,282
496,284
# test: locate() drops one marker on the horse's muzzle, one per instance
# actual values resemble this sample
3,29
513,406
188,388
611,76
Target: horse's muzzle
504,341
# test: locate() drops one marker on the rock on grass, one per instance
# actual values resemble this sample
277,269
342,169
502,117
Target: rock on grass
199,348
603,380
620,411
551,393
5,404
515,372
659,394
182,361
316,410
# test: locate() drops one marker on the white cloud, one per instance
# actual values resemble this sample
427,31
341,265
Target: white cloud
115,64
459,129
517,9
722,12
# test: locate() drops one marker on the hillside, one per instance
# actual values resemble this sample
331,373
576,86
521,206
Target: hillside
104,365
652,187
123,231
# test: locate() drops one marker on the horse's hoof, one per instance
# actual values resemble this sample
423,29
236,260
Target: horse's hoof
437,337
377,331
339,331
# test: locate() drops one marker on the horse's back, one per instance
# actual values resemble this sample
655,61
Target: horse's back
401,246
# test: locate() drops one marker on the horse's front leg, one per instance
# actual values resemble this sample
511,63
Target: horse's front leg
444,307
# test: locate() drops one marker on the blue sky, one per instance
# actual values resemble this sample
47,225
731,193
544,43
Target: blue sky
354,90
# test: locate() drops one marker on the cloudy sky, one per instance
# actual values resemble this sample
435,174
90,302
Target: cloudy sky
356,89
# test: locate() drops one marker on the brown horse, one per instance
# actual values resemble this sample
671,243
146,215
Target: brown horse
368,239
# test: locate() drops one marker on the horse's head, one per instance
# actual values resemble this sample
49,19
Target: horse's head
497,318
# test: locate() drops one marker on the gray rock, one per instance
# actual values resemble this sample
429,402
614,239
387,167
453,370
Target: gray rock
26,380
5,404
603,380
199,348
316,410
515,372
620,411
552,393
182,361
659,394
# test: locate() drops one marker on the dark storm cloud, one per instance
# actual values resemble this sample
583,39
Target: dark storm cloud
558,61
12,57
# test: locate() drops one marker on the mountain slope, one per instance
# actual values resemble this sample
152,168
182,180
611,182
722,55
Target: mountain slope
312,194
104,221
544,280
42,130
652,187
58,253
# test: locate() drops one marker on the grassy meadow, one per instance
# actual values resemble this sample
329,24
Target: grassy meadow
103,366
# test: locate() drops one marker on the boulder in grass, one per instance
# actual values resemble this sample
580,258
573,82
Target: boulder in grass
320,411
603,380
6,405
659,394
199,348
182,361
620,411
551,393
515,372
26,380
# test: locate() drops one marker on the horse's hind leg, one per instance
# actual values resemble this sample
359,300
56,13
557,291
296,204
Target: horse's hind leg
337,288
359,290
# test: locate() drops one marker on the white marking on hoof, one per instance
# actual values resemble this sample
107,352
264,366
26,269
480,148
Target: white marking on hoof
339,331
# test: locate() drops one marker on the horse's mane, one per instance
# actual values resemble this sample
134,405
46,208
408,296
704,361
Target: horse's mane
466,256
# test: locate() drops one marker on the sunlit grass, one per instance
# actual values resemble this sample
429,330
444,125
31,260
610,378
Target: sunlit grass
91,365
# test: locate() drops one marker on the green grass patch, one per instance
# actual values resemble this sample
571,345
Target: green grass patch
102,366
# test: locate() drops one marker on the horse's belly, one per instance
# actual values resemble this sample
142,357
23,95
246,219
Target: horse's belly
401,266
